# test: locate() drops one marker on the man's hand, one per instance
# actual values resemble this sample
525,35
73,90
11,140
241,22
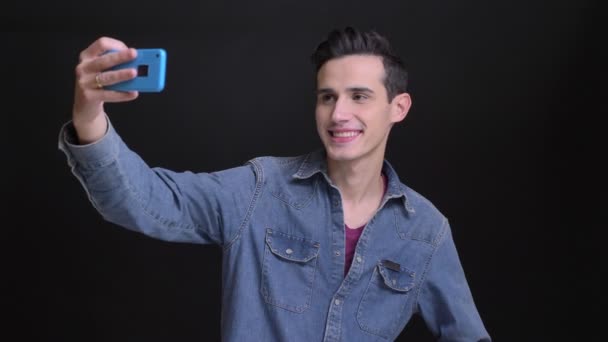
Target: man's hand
88,114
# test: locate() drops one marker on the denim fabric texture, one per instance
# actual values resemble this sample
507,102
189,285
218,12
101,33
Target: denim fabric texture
280,223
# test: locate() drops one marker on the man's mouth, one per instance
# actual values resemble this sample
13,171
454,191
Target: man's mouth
344,136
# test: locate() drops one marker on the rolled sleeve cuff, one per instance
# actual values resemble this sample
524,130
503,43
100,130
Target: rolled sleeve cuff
89,156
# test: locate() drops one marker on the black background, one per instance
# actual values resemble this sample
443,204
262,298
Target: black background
503,137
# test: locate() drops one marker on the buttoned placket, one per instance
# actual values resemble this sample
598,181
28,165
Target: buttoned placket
334,317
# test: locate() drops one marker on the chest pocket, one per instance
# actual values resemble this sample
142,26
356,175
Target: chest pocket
290,263
384,300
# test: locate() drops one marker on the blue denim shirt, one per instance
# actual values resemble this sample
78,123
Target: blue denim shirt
280,223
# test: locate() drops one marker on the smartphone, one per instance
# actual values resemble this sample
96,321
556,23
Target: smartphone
151,65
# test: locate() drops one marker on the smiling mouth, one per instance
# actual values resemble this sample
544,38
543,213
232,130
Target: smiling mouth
344,134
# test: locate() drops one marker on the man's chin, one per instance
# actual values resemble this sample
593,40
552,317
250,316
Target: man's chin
340,155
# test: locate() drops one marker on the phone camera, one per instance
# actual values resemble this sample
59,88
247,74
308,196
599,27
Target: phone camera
142,70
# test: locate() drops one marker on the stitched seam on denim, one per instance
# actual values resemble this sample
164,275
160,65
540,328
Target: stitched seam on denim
89,165
444,229
92,166
302,166
259,175
282,161
82,182
263,289
426,201
403,236
297,206
71,160
310,243
297,238
386,279
399,183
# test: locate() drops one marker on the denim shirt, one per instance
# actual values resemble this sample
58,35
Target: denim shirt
280,222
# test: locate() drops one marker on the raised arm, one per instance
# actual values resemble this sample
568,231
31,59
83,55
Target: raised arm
168,205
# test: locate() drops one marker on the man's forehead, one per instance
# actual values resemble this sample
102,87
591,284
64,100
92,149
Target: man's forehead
353,64
357,71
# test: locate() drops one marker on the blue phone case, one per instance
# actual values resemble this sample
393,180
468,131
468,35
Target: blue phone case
151,67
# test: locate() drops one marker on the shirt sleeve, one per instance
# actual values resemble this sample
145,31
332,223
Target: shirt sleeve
163,204
445,301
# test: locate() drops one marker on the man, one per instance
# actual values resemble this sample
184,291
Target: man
328,246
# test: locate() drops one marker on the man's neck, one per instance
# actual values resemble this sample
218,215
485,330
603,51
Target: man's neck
358,180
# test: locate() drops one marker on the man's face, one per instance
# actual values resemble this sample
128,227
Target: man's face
353,114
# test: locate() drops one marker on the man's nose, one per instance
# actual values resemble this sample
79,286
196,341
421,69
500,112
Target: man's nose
341,111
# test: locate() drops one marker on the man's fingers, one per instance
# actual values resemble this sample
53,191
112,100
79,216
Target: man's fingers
100,46
104,62
96,81
91,87
107,78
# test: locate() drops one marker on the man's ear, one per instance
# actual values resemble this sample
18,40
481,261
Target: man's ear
400,106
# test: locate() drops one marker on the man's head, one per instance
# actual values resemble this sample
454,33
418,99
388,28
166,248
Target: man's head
361,93
349,41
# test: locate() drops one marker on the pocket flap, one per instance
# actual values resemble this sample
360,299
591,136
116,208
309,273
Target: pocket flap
402,280
291,247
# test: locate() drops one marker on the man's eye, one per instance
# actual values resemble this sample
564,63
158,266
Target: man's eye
327,98
359,97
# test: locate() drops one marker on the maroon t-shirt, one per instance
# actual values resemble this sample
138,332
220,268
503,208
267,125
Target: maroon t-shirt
352,236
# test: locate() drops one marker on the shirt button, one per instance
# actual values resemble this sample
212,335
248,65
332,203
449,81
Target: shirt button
337,302
336,203
337,253
288,251
358,258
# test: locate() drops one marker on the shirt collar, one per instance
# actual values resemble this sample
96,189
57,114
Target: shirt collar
316,162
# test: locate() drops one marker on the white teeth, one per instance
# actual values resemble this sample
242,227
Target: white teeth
346,134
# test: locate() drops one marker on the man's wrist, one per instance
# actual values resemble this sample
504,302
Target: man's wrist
91,131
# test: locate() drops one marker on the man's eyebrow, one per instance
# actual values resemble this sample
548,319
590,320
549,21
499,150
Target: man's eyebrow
360,90
350,90
325,91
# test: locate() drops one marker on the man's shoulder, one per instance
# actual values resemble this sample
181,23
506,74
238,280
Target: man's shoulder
424,221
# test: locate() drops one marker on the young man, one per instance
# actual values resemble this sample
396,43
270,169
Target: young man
328,246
